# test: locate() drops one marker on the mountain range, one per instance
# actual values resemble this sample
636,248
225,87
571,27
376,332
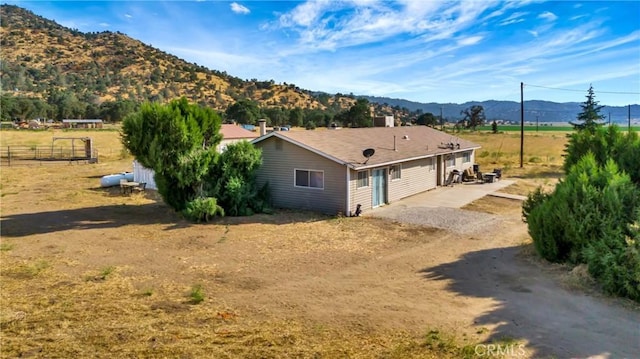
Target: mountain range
41,58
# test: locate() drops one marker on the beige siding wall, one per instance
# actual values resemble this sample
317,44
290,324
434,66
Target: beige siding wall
360,195
460,164
415,177
280,159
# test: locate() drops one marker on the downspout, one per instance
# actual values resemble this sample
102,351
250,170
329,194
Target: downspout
347,211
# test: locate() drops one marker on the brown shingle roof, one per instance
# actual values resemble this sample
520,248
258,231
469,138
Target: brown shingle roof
345,145
230,132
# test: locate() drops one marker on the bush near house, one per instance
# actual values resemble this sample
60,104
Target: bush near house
178,141
593,215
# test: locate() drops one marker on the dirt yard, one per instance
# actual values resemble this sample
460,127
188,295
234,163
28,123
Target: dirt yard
88,272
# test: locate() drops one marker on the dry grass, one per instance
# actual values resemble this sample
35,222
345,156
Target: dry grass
542,159
87,272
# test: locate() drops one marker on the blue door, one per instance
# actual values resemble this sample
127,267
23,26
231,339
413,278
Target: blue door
379,190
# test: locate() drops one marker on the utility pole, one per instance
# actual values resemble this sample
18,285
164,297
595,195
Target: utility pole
441,120
521,124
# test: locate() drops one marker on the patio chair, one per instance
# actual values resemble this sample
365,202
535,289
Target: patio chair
141,187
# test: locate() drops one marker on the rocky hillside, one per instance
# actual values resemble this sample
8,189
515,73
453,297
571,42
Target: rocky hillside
40,56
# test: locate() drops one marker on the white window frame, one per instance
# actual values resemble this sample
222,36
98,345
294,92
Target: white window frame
451,156
466,157
393,169
358,179
295,178
431,165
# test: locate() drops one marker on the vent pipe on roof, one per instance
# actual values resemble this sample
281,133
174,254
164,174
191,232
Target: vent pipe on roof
394,143
263,126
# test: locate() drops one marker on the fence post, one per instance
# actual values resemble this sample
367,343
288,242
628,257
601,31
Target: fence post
9,155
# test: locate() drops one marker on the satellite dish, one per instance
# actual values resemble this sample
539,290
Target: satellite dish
368,153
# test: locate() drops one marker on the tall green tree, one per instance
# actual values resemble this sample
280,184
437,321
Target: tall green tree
590,117
178,141
7,103
473,117
296,116
427,119
359,115
244,111
278,116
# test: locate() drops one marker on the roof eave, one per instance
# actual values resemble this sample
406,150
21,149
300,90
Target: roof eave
356,167
300,144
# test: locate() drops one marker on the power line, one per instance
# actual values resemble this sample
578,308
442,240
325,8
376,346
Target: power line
574,90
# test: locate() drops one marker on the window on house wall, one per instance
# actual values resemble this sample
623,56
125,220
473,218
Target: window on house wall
431,164
395,172
309,179
451,160
466,157
363,179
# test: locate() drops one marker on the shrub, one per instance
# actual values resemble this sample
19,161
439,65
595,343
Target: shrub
233,180
203,209
616,263
592,218
197,294
605,144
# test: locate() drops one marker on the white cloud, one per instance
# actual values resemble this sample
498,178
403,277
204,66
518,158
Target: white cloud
471,40
327,25
514,18
104,24
533,33
239,9
128,16
304,14
509,22
548,15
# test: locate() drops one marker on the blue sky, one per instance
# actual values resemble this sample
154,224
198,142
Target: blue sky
426,51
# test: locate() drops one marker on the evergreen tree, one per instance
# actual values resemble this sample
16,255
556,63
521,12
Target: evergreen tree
590,117
178,141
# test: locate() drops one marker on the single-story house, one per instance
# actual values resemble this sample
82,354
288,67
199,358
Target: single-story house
334,171
233,133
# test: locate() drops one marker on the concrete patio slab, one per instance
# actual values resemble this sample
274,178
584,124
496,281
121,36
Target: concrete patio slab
457,196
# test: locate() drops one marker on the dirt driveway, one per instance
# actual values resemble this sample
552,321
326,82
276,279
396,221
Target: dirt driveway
528,299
